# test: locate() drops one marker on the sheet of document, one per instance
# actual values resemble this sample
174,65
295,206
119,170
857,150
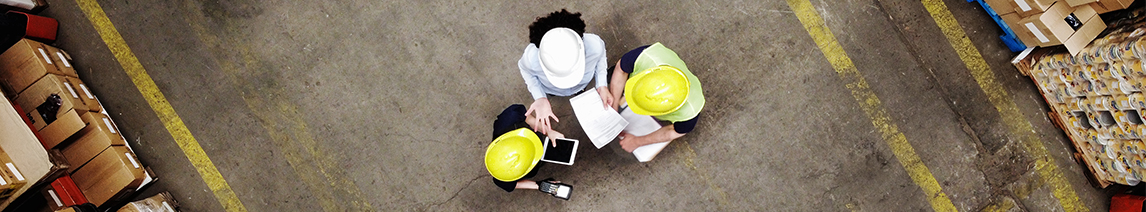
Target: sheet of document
602,124
640,125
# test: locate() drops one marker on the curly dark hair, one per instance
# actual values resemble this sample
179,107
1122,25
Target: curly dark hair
556,19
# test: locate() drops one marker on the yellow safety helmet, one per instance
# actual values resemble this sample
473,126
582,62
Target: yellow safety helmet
657,91
513,154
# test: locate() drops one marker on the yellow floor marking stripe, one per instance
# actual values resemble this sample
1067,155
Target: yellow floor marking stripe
871,104
223,192
1018,125
281,118
690,161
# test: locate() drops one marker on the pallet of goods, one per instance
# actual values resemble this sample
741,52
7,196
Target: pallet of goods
1096,97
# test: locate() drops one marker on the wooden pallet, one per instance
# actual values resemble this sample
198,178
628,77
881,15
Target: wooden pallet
1097,180
1024,63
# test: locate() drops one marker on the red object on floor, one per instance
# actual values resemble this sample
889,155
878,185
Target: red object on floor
38,28
68,192
1126,203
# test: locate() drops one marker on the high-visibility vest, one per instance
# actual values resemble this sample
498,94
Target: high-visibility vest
657,55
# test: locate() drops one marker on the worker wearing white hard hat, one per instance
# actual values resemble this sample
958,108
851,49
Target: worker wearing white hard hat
654,81
560,60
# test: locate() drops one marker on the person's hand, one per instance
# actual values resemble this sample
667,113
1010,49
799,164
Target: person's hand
629,142
553,136
544,112
606,97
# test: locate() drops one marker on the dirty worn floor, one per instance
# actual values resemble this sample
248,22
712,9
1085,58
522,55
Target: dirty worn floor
358,105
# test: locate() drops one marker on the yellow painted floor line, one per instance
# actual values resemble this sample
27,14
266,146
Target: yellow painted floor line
871,104
223,192
319,171
690,161
1018,125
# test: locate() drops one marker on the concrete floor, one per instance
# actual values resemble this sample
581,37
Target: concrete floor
356,105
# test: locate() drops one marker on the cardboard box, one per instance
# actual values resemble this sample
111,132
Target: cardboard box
23,64
96,137
9,169
1089,31
56,200
1058,24
38,92
86,94
56,133
1027,8
1114,5
13,179
1075,3
1002,6
63,193
1012,20
161,202
62,61
109,176
7,187
1099,8
53,126
1050,28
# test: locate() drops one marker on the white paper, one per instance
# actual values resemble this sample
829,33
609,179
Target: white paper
640,125
602,124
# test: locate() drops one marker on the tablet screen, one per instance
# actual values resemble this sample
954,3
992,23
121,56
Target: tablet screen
563,153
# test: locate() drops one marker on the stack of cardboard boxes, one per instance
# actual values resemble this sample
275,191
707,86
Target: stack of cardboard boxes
1044,23
66,116
10,177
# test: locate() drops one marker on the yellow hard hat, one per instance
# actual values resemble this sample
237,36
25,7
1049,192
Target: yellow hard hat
513,154
657,91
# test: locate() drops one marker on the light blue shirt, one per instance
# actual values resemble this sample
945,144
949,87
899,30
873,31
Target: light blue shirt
538,84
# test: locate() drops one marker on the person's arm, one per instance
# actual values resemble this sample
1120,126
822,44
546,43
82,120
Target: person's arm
601,74
526,184
618,85
553,134
665,133
531,81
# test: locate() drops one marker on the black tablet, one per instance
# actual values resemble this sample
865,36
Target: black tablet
563,154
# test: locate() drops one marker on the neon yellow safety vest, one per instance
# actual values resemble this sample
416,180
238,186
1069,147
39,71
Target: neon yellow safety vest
657,55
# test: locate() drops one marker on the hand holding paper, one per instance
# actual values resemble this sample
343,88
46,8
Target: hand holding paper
641,125
600,123
606,97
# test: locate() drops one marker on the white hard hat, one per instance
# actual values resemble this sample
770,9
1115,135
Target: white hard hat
562,54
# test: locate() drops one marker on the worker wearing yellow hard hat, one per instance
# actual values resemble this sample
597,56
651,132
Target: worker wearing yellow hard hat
514,154
654,81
